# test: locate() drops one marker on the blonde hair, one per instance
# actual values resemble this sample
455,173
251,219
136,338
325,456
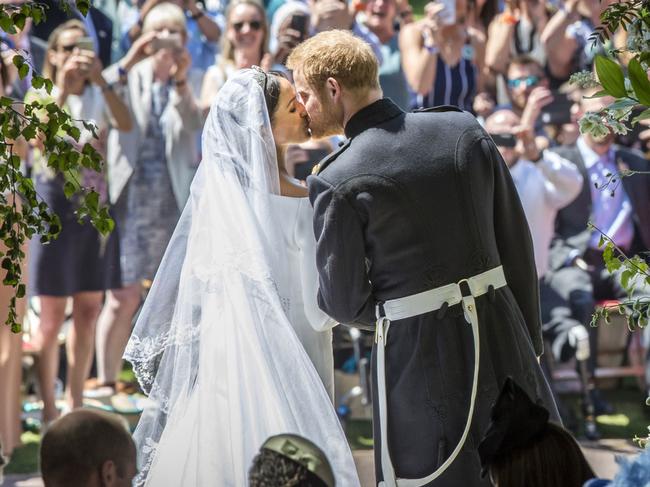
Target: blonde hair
167,13
228,50
49,70
336,54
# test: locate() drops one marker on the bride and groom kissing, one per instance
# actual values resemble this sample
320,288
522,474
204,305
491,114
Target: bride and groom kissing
413,225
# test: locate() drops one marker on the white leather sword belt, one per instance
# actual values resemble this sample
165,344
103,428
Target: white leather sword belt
418,304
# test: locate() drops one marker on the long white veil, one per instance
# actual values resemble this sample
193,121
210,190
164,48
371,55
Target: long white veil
212,346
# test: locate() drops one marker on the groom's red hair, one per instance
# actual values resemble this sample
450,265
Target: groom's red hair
336,54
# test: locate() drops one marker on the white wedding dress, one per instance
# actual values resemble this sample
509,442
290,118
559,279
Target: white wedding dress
297,280
226,345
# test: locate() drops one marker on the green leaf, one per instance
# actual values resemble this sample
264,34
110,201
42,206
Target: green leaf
19,20
18,60
640,82
37,82
92,201
23,71
49,84
610,76
598,94
20,291
75,133
5,101
69,189
601,241
623,103
625,278
7,25
37,15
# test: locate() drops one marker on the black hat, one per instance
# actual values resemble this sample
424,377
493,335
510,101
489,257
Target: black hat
515,423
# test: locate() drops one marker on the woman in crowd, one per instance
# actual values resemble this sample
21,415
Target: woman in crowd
442,57
245,44
514,32
150,168
72,265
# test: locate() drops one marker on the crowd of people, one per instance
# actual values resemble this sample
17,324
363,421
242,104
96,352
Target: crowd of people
147,72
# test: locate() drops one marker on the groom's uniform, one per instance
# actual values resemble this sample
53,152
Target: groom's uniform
411,203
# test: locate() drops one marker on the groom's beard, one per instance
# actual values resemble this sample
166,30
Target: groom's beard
327,122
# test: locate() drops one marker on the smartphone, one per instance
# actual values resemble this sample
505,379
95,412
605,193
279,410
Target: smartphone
558,112
299,24
447,15
171,41
508,141
85,44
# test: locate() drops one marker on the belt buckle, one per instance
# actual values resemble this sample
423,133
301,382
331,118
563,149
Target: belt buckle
469,288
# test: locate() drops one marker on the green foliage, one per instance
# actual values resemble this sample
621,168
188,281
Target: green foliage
23,214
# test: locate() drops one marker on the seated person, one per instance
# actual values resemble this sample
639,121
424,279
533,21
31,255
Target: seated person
88,448
522,447
290,460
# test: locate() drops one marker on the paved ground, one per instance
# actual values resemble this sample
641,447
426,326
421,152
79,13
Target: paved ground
600,456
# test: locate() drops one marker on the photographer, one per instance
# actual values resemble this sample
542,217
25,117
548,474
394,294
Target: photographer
72,265
202,27
442,57
150,168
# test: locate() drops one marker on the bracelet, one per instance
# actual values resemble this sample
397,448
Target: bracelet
197,15
180,82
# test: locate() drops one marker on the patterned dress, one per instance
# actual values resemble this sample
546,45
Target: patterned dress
146,213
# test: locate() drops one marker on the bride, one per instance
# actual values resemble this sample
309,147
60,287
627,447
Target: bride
230,345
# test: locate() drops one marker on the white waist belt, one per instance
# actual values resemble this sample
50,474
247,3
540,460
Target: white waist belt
414,305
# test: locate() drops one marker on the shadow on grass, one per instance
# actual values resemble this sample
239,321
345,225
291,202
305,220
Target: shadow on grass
25,458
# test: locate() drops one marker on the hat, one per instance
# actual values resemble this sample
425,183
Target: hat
304,452
516,421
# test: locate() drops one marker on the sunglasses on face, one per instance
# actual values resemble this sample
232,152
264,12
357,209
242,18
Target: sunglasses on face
527,81
253,25
68,48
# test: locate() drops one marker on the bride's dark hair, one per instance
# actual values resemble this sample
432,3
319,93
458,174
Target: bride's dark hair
270,84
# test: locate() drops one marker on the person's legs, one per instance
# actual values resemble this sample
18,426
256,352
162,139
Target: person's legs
114,329
52,316
80,343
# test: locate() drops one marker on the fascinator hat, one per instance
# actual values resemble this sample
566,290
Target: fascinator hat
516,422
304,452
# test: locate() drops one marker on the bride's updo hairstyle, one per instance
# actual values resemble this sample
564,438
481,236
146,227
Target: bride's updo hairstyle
270,84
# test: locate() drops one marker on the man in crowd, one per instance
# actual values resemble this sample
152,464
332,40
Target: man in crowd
546,183
88,448
619,208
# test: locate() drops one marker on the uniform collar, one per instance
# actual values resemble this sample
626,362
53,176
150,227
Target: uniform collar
371,116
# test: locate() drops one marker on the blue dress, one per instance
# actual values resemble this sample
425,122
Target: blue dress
455,85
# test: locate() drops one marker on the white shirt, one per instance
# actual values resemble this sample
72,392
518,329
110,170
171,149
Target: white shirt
544,188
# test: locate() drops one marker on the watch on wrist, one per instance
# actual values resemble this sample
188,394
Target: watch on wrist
197,15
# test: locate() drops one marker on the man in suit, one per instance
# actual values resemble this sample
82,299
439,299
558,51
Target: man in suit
420,203
98,25
619,208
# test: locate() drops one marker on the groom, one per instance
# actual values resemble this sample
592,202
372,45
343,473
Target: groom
422,238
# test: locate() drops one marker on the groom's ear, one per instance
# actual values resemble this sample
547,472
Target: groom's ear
333,89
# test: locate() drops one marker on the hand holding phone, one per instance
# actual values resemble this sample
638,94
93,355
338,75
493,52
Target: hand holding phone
299,24
171,41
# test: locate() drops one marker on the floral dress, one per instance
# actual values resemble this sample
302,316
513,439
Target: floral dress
146,213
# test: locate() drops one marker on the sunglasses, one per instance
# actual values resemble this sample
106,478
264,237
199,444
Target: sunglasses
253,25
68,48
527,81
